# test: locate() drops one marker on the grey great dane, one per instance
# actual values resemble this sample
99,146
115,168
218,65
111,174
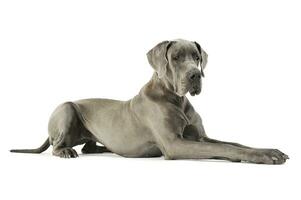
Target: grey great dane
158,121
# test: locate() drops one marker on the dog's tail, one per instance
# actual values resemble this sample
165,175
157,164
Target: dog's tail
42,148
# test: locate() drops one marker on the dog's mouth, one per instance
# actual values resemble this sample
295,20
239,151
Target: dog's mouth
195,90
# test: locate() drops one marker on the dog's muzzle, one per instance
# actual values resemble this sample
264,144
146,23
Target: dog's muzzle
194,77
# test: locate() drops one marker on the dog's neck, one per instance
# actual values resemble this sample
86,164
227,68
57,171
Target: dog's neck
161,88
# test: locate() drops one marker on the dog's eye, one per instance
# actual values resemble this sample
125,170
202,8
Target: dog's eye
196,57
176,57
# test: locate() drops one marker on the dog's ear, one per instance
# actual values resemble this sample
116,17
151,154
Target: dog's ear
204,57
157,57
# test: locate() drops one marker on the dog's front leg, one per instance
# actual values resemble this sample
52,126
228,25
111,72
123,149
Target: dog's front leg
207,139
185,149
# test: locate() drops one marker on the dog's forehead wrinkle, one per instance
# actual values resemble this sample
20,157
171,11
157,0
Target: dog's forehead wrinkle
183,47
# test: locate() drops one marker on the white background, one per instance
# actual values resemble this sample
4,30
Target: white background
56,51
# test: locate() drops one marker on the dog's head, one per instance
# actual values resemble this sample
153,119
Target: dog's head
177,62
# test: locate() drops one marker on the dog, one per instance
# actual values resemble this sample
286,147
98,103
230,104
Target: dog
159,121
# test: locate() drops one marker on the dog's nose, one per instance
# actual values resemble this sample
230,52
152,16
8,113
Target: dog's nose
196,75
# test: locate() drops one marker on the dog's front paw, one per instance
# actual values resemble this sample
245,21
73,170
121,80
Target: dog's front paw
269,156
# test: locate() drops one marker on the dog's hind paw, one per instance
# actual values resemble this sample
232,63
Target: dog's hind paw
66,153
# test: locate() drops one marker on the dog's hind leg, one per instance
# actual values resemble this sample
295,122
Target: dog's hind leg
91,147
66,130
